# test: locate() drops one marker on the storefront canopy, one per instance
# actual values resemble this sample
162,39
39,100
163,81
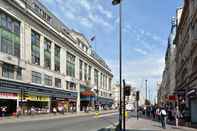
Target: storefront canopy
87,93
15,87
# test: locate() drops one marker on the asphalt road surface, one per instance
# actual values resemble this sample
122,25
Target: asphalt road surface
84,123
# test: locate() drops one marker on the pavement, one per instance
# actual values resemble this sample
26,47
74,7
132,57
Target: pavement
77,122
148,125
143,124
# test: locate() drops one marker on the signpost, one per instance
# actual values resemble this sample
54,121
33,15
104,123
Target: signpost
126,92
137,99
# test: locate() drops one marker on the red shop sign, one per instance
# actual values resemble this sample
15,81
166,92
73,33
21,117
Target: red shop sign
172,98
5,95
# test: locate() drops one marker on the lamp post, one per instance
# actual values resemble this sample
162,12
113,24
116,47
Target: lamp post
118,2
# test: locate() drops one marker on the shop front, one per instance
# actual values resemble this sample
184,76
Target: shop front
87,98
39,99
66,103
34,104
8,101
192,95
105,103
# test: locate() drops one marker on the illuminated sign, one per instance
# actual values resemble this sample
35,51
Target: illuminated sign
5,95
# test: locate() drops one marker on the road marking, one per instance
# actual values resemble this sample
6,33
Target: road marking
104,115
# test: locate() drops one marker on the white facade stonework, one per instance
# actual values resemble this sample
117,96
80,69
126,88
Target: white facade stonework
68,40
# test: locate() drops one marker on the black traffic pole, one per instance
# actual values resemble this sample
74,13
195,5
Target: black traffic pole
137,100
124,124
116,2
21,104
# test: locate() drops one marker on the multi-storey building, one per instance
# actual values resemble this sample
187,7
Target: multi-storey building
45,64
186,59
168,79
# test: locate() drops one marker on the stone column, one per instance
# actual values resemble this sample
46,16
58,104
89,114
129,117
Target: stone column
17,102
41,51
1,66
78,97
52,56
49,104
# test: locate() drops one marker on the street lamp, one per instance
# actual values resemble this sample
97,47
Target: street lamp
116,2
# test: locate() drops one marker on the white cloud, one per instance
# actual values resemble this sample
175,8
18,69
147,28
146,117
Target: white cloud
141,51
72,10
85,4
86,22
99,20
105,12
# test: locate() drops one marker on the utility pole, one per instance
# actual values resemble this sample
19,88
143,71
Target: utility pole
146,98
146,89
119,2
124,123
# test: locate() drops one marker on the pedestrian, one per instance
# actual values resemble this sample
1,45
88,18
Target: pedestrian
18,111
54,110
163,115
3,110
177,116
157,114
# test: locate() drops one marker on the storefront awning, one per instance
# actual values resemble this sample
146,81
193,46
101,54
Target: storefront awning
15,87
87,93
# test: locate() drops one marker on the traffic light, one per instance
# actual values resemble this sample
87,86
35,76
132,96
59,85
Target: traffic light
127,90
137,95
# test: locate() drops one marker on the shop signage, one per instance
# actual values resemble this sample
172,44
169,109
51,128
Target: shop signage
172,98
36,98
4,95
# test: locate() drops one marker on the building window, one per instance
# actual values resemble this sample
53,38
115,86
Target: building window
8,71
109,84
36,77
70,86
9,35
57,58
35,47
101,80
85,71
96,77
48,80
19,73
104,82
70,64
89,73
57,83
80,70
47,53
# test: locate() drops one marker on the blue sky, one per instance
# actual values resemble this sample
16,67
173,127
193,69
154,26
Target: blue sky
146,26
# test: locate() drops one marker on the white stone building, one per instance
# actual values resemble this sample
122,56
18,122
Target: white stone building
45,64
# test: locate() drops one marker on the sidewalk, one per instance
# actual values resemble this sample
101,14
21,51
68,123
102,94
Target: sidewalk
50,116
148,125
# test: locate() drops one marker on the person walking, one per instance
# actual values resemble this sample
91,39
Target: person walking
177,116
163,115
157,114
3,110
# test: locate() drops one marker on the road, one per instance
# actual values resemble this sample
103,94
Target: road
84,123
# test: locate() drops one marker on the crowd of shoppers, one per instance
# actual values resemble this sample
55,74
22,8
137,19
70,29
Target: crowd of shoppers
167,114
